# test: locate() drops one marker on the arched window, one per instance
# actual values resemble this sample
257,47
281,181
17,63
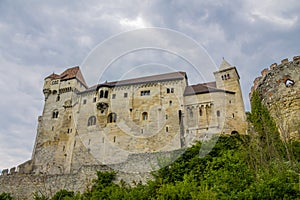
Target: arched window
168,90
55,114
144,116
92,121
112,118
200,111
218,113
106,94
101,94
57,98
167,129
222,77
228,76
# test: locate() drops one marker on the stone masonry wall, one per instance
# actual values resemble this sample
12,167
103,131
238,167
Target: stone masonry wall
279,88
23,186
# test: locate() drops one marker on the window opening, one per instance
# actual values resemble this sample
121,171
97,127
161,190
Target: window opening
106,94
55,114
101,94
218,113
145,93
112,118
92,121
289,83
145,116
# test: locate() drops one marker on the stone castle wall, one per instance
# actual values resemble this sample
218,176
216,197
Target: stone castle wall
135,169
279,89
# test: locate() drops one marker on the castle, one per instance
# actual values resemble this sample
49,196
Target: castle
129,126
107,122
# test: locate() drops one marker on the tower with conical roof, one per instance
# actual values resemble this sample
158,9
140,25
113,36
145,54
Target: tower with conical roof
227,78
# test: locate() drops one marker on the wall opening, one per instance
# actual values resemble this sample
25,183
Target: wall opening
101,94
144,116
55,114
112,118
179,116
92,121
106,94
289,83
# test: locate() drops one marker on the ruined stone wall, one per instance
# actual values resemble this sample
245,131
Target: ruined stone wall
279,88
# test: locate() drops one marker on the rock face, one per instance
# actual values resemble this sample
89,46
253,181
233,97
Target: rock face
279,89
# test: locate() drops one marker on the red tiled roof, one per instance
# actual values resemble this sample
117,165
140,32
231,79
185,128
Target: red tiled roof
73,72
53,76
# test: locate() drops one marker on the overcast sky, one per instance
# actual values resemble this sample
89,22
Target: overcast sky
41,37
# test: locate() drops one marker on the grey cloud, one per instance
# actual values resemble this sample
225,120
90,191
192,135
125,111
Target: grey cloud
38,38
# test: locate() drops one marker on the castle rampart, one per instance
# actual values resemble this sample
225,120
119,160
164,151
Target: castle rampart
279,89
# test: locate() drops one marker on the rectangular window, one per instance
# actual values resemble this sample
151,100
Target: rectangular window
113,96
94,100
172,90
84,101
125,95
145,93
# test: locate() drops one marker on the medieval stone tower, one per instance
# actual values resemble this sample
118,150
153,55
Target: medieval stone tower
55,133
227,78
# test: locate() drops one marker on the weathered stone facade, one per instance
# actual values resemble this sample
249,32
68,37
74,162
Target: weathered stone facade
279,90
132,126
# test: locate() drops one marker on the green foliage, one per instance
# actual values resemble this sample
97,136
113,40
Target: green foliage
5,196
226,172
63,195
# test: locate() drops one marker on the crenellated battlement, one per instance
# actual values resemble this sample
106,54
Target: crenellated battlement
272,68
279,89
